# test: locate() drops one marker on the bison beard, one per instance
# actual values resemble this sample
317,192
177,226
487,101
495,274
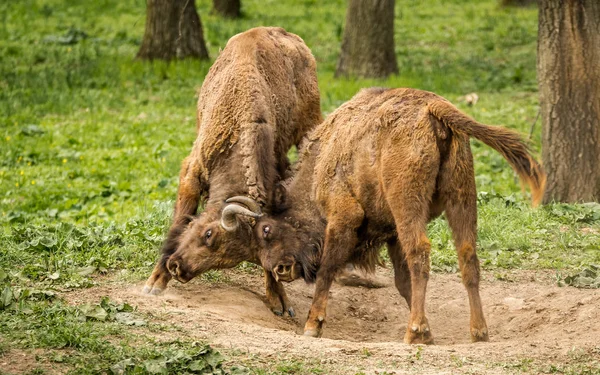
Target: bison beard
309,262
375,172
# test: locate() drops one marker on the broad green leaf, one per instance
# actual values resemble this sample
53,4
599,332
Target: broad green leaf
199,365
156,366
6,297
124,307
121,367
129,319
105,303
214,359
95,312
86,271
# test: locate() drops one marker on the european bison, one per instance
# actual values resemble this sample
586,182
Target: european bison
375,172
259,98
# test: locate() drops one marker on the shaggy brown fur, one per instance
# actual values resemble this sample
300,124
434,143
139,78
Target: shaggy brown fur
375,172
259,98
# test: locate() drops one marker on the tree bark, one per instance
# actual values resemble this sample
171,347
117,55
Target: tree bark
173,30
368,41
227,8
569,85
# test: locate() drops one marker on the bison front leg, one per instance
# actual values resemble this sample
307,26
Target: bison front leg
277,299
340,241
160,277
188,196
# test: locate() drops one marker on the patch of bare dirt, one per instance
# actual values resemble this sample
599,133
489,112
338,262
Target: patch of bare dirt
532,322
16,361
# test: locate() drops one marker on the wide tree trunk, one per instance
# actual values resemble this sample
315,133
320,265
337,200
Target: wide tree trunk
569,85
173,30
368,42
227,8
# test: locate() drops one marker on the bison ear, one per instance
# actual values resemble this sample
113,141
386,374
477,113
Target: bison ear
280,201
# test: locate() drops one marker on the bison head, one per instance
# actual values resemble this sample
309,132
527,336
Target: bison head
216,241
288,249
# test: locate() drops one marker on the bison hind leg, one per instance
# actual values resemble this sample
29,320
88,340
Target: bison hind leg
409,188
458,192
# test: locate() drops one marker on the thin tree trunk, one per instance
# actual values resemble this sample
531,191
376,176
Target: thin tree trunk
569,85
227,8
368,42
173,30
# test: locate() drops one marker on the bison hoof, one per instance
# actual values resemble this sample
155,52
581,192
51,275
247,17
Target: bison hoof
290,311
312,333
153,291
479,334
419,335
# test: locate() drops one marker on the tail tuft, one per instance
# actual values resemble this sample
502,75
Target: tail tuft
507,142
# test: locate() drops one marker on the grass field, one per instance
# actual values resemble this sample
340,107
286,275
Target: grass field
91,142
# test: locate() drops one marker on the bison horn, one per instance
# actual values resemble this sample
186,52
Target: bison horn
248,202
229,220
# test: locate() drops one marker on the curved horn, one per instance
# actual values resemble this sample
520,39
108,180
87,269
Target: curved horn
248,202
229,220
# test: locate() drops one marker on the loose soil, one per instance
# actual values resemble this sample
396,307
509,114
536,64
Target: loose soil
17,361
533,324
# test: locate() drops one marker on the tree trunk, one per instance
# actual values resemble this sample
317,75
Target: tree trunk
173,30
569,85
368,43
227,8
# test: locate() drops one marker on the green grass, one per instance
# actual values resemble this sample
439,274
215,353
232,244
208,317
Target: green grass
579,361
91,141
68,336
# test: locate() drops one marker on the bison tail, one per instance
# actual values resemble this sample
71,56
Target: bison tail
507,142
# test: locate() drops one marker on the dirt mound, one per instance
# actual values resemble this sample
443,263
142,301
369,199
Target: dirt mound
530,321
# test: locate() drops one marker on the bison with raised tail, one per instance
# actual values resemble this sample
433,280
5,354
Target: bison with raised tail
375,172
259,98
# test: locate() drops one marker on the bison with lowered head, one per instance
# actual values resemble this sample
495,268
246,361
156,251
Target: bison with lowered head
375,172
259,98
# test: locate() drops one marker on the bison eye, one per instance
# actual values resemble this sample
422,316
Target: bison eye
266,231
208,234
